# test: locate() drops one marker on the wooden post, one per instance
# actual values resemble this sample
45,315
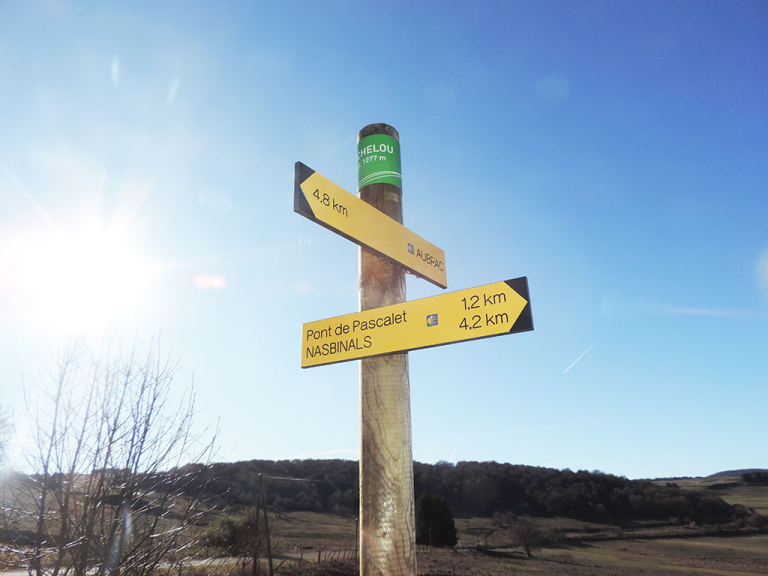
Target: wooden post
387,543
255,567
266,523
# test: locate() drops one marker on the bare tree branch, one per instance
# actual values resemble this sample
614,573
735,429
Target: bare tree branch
109,434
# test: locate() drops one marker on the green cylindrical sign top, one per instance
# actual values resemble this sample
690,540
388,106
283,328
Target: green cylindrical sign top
378,160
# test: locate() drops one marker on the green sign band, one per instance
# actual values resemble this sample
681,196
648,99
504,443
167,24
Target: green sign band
378,160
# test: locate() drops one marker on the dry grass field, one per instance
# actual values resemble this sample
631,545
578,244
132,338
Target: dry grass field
717,556
587,549
310,532
581,548
627,556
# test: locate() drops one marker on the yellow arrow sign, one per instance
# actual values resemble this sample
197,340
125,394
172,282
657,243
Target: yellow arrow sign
328,204
490,310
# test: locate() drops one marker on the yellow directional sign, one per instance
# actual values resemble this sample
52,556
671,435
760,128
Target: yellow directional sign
490,310
328,204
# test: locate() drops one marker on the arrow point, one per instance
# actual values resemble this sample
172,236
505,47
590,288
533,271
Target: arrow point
302,172
524,321
300,204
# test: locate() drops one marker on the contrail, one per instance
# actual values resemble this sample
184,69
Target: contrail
587,350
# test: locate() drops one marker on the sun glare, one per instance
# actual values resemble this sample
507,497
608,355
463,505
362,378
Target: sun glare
79,280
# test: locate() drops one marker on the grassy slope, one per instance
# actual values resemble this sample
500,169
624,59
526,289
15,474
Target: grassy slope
730,489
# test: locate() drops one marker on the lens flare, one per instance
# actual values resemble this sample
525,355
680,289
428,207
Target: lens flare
78,280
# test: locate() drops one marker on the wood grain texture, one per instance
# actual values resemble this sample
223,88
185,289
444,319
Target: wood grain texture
387,537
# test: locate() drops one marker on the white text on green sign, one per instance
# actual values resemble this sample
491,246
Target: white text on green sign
378,160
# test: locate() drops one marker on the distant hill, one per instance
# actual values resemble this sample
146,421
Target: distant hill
736,473
470,488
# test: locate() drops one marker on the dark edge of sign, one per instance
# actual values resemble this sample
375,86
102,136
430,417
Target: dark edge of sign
300,204
524,322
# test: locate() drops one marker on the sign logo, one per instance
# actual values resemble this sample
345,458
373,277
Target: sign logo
431,319
410,249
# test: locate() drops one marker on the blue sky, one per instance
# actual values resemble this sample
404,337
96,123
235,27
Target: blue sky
615,153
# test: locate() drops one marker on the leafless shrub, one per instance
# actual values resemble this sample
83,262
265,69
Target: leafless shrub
105,427
526,532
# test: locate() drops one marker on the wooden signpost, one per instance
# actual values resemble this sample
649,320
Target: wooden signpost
386,328
317,198
490,310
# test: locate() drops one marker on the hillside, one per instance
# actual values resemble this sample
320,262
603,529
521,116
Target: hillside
732,488
471,489
736,473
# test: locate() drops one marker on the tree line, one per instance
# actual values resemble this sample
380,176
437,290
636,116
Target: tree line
470,488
